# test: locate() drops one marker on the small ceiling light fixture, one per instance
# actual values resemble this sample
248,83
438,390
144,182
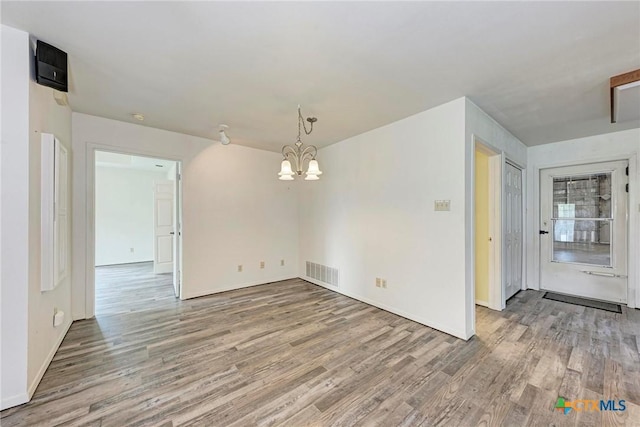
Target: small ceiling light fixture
298,155
138,116
224,139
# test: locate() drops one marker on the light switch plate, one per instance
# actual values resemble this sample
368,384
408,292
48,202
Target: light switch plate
442,205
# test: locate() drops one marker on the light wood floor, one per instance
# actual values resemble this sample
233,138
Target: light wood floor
132,287
292,353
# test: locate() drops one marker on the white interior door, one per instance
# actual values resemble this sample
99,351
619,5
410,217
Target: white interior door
177,244
513,230
164,221
583,230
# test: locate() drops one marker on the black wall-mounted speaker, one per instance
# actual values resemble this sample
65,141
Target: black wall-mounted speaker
51,66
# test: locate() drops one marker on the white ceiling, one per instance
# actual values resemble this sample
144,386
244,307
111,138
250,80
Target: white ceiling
126,161
541,69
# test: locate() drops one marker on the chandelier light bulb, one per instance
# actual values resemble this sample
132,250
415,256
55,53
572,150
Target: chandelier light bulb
314,168
285,169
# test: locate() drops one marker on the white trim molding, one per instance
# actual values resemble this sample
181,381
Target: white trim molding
10,402
43,368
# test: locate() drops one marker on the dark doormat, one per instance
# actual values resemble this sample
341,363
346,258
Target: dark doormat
607,306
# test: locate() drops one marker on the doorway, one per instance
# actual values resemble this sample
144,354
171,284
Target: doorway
583,230
498,225
487,220
137,230
484,238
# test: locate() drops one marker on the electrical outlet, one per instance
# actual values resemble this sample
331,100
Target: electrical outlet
282,263
384,283
131,250
442,205
240,268
378,282
261,264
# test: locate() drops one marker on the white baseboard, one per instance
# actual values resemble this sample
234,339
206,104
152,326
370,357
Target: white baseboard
236,287
435,325
124,263
47,361
12,401
482,303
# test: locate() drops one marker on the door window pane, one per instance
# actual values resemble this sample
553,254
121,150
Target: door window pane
582,219
563,230
581,253
577,241
585,196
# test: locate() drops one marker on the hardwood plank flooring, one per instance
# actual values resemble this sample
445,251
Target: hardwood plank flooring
136,285
292,353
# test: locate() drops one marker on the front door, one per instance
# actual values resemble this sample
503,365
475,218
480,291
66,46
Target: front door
583,230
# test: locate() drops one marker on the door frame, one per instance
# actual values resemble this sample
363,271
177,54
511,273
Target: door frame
90,234
633,220
177,254
497,222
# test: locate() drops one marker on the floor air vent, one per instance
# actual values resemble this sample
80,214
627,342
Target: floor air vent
323,273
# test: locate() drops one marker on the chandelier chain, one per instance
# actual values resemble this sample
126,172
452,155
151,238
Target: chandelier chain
301,122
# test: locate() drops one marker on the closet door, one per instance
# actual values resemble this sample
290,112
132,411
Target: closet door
513,240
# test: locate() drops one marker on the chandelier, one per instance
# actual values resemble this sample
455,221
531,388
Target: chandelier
298,155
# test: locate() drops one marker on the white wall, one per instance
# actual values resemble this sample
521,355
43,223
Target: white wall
14,255
235,210
124,214
372,215
45,115
35,112
611,146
